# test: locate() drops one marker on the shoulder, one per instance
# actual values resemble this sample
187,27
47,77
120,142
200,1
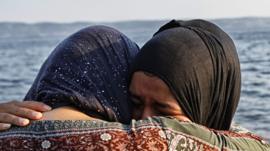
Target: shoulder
97,135
190,134
159,132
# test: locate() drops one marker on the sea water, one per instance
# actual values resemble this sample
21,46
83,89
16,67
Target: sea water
24,47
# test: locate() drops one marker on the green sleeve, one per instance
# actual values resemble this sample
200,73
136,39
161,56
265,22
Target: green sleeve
191,136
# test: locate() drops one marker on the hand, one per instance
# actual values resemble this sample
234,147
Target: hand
19,113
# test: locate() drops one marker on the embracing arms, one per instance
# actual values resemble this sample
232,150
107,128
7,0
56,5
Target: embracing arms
19,113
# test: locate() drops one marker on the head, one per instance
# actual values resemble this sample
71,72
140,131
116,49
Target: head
88,70
196,74
152,97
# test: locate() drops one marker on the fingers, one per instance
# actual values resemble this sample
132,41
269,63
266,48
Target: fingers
7,118
24,112
4,126
37,106
19,113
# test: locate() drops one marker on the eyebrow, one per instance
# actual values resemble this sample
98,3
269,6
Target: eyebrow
149,74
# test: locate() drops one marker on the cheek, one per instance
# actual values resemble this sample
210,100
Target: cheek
136,114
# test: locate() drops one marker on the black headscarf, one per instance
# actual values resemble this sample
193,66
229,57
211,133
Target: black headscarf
88,70
199,63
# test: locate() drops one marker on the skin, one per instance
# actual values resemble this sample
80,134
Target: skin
65,113
150,96
20,113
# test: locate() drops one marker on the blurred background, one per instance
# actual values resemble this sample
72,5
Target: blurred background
31,29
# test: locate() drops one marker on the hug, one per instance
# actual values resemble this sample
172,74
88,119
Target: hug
180,91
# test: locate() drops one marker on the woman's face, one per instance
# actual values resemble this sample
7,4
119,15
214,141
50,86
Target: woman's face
152,97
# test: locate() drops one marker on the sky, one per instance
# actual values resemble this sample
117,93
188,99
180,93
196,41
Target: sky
121,10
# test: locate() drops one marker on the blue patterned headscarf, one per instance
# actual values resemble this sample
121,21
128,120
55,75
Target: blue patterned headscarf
88,70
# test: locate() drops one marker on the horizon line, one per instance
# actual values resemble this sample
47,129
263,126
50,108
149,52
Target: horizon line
133,20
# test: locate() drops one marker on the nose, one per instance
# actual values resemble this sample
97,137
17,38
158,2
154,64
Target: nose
147,112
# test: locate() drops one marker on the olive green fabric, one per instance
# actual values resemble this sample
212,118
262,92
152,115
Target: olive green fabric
226,140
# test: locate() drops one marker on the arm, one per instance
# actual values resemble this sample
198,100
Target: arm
191,135
19,113
157,133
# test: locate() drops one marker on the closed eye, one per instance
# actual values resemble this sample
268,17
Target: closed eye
162,105
163,109
136,100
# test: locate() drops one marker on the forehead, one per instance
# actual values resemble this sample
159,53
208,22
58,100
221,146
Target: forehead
151,89
143,81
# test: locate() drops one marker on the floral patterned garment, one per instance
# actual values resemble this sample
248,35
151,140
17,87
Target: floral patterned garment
152,134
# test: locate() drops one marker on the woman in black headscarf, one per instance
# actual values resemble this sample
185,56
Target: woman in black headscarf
199,64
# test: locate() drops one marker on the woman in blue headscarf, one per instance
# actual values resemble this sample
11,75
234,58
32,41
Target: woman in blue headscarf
85,81
88,71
